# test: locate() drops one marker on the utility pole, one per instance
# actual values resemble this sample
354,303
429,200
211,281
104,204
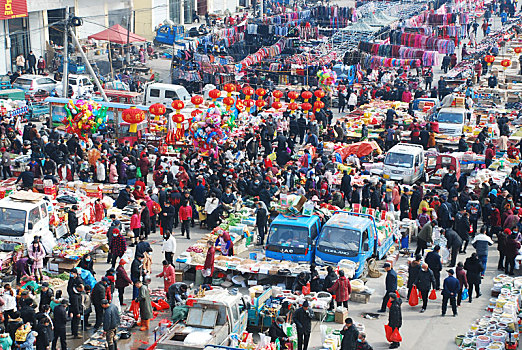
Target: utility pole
88,64
129,21
65,77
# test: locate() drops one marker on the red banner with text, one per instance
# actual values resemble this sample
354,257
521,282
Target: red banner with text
13,9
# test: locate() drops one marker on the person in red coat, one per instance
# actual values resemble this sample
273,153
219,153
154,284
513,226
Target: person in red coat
117,246
490,154
341,289
99,211
185,216
122,280
168,274
208,267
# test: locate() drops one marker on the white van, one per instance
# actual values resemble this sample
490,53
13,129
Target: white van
404,162
165,94
21,220
451,120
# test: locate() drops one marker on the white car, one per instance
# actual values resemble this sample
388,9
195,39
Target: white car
81,85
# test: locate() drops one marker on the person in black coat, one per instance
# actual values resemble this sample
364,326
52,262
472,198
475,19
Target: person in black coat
124,198
329,281
416,198
303,322
46,295
145,219
413,272
261,223
462,227
474,268
405,205
76,309
395,316
350,335
391,285
42,339
72,219
346,185
97,295
450,290
27,311
424,282
434,264
59,322
454,242
276,332
167,217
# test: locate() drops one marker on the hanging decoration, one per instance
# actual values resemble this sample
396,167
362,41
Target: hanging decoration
133,116
214,94
158,123
305,106
293,95
178,118
318,105
327,78
84,117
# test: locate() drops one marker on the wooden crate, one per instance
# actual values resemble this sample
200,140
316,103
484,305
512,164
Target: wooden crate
360,298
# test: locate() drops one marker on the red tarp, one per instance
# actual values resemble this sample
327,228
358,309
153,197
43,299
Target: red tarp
116,34
360,149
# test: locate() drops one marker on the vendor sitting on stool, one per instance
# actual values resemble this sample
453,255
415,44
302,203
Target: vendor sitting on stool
276,332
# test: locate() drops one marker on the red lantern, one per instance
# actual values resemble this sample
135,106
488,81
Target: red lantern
518,49
197,100
195,113
277,105
248,91
277,94
214,94
318,105
319,93
157,109
229,88
178,118
249,103
178,105
293,95
260,92
293,106
260,104
133,116
306,106
240,105
505,63
228,101
489,59
306,95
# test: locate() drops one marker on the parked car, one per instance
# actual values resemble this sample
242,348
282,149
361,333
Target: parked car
81,85
32,83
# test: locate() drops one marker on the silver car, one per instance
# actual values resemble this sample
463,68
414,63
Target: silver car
32,83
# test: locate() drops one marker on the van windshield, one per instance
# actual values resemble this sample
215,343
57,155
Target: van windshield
12,222
288,236
452,118
402,160
339,241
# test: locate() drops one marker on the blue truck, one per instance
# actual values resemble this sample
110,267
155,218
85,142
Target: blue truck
169,34
351,236
292,238
346,235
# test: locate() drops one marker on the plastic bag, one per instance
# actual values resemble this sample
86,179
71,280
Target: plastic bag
465,294
433,295
164,305
388,331
395,336
306,289
135,309
414,297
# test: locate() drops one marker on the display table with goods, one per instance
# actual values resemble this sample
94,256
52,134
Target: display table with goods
499,327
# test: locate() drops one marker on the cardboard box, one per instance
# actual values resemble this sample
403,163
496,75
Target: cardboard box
360,298
179,276
341,316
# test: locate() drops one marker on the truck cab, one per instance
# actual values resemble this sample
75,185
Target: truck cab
451,120
404,162
21,220
350,236
292,238
214,317
165,94
168,34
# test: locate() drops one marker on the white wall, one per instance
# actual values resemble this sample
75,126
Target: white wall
44,5
95,13
160,12
37,32
5,59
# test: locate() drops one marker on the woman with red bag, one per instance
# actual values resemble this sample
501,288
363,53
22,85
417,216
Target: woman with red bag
394,321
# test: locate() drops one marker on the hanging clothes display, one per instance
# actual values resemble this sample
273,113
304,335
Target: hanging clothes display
422,41
263,53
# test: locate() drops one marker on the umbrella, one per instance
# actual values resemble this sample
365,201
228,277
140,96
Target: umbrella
116,34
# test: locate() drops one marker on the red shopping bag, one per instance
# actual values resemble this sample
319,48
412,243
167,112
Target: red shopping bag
306,289
433,295
155,305
389,303
414,297
135,309
388,331
395,336
164,305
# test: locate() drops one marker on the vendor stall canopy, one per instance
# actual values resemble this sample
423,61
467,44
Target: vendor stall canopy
116,34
